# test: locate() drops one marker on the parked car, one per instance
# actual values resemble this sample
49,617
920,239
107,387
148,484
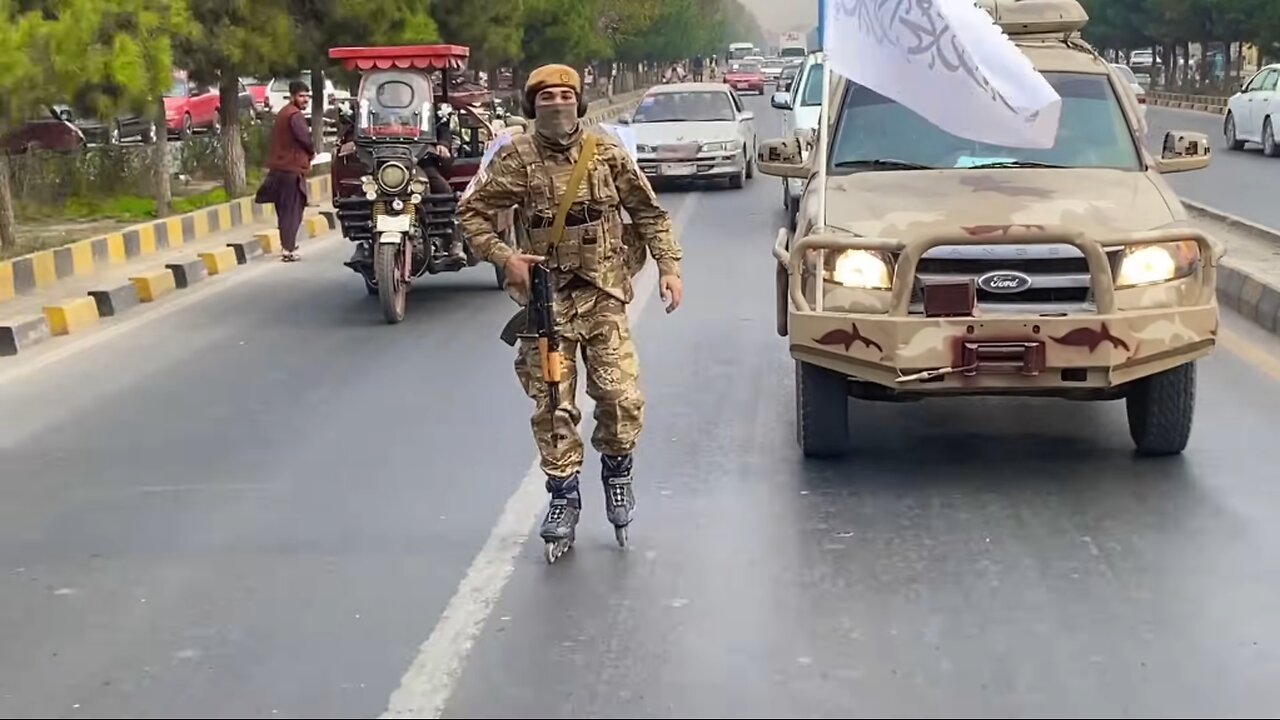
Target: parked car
745,76
278,92
189,105
1253,112
43,132
257,90
121,128
694,131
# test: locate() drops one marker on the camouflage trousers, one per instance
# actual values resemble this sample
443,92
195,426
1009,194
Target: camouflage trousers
594,325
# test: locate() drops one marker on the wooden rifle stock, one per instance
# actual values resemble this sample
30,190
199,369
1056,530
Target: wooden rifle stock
542,306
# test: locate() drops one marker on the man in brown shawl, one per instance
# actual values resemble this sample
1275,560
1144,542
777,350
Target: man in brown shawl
288,164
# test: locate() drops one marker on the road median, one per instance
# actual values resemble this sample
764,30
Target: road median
1249,274
29,320
1212,104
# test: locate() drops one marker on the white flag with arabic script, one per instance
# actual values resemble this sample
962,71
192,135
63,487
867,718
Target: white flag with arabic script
949,62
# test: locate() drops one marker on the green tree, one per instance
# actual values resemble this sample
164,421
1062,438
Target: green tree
623,21
235,37
22,84
738,24
492,29
1117,24
52,50
562,31
678,29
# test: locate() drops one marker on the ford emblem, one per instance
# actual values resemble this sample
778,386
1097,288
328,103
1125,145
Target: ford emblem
1004,281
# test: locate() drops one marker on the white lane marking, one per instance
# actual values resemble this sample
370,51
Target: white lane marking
430,680
145,316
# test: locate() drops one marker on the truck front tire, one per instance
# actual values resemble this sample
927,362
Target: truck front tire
1161,408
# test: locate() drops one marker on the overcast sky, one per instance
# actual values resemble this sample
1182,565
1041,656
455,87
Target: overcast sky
783,15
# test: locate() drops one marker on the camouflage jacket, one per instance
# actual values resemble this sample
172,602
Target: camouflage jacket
531,176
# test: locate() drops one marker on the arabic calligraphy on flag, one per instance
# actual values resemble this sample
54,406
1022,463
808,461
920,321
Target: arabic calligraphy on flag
947,61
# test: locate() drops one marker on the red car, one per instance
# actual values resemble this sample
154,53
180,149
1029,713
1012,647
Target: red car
258,91
188,106
745,77
47,132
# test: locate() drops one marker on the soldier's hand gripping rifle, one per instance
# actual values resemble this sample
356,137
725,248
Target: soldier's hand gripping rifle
538,319
542,311
539,316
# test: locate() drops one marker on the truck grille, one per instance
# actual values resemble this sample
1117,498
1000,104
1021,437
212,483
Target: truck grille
1059,276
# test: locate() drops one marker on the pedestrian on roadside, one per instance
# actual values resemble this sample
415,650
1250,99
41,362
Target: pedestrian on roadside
288,165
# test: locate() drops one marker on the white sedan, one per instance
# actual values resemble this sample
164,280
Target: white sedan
694,131
1253,112
1127,74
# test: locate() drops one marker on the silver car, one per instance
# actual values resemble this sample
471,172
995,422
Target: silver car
694,131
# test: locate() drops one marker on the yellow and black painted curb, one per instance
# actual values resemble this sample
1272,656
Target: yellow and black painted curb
75,314
45,269
1240,288
1213,104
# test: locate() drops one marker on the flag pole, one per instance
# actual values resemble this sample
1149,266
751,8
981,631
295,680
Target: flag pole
820,154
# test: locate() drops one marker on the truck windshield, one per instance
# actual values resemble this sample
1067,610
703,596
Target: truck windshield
792,52
1092,132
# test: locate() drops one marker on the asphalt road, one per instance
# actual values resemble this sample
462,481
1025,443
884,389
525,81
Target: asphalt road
1241,182
259,502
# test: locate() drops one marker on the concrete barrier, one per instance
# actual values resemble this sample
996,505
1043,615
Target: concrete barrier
113,301
71,316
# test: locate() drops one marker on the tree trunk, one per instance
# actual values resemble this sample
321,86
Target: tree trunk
233,170
8,236
318,102
160,162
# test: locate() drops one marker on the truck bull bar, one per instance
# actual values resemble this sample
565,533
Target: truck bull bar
909,254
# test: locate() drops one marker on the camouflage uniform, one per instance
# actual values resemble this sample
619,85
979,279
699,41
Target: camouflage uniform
594,263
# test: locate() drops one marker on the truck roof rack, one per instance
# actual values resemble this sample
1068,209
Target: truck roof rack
1034,17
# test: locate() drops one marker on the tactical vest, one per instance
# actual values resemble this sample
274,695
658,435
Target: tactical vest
597,245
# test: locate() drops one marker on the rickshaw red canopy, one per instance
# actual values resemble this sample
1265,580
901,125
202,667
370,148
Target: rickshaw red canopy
418,57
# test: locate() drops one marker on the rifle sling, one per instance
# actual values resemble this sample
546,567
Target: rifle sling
585,155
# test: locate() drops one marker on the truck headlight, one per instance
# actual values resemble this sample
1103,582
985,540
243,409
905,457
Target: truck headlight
863,269
1161,262
728,146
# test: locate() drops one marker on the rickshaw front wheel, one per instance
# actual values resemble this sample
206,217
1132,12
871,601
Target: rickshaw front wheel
392,291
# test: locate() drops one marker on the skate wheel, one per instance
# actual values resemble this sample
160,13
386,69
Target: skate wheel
555,550
621,534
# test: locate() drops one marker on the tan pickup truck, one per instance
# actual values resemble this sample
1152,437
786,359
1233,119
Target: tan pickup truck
946,267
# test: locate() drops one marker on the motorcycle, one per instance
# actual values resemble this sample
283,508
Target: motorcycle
392,187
